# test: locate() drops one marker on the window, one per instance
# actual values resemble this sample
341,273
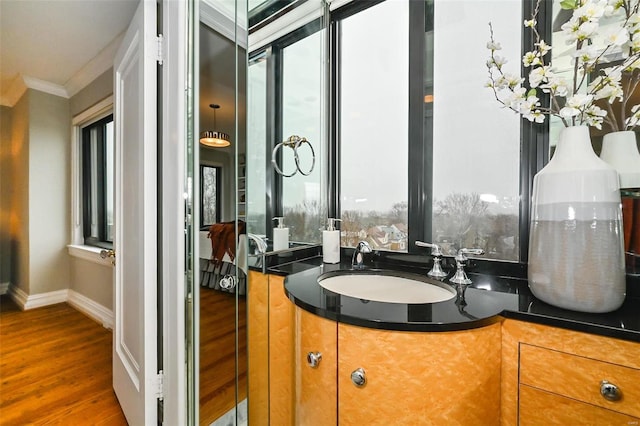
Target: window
374,127
420,155
210,177
257,149
417,147
476,192
302,115
97,153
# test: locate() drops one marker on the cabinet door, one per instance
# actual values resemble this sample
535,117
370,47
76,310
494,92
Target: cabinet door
258,343
316,386
538,407
281,340
419,378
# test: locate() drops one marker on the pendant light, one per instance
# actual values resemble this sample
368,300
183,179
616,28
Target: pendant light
213,138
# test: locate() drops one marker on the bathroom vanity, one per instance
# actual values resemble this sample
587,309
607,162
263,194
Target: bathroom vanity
497,357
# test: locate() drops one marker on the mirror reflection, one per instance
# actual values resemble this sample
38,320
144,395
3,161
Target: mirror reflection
220,175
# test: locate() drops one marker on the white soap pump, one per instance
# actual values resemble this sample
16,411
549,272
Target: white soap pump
280,235
331,242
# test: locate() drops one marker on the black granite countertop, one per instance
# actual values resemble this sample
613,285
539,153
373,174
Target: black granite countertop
487,300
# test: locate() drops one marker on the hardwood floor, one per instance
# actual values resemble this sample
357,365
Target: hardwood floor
217,353
55,364
55,368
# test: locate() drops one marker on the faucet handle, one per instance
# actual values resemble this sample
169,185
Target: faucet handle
436,271
435,249
464,251
460,276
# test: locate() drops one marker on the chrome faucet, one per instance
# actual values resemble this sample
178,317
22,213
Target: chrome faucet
357,259
436,271
460,277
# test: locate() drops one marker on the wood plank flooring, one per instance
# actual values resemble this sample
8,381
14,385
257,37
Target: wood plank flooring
55,368
217,353
55,364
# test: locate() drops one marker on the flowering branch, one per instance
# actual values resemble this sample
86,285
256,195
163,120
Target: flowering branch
575,104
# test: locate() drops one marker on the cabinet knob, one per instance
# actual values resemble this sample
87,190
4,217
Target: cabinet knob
610,391
358,377
313,359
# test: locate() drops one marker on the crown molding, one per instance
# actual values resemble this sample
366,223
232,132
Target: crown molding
94,68
21,83
219,20
45,86
10,95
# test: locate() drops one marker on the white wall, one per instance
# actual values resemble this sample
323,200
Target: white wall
49,192
6,167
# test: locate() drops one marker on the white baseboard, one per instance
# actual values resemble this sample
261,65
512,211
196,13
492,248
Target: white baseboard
80,302
26,301
4,287
91,309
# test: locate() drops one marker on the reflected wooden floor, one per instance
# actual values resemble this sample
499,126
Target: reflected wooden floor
217,353
55,368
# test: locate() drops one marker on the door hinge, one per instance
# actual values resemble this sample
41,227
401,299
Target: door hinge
160,47
159,386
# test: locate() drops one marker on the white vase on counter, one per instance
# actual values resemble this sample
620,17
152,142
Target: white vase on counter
576,257
620,150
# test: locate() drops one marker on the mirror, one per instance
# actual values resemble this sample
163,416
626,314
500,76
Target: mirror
286,116
220,283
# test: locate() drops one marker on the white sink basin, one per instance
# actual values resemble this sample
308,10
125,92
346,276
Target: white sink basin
386,286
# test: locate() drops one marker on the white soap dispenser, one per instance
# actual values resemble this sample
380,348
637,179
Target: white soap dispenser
280,235
331,242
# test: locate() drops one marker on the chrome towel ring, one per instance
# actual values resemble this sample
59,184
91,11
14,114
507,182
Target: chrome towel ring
294,142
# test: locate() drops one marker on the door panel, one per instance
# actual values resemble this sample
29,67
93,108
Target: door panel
135,311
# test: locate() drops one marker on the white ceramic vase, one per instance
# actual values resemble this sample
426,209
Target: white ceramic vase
576,257
620,150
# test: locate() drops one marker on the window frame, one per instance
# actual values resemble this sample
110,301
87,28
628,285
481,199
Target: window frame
219,178
101,240
534,139
77,247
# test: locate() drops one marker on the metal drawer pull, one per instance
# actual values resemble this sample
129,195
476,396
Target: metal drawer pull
358,377
609,391
313,359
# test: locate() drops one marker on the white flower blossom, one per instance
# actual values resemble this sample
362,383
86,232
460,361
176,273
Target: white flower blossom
557,86
586,55
635,117
531,58
575,105
587,30
492,45
543,47
499,61
617,38
594,116
592,10
539,75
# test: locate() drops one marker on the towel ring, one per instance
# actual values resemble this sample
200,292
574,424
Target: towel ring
297,157
294,142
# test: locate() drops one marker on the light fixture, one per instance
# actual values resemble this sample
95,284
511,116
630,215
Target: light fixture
213,138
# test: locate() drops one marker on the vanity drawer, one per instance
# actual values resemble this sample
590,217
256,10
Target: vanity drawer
538,407
579,378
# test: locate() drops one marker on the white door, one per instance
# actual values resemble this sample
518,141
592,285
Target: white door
135,372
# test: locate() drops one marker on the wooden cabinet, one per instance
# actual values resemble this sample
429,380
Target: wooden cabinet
553,376
411,377
270,334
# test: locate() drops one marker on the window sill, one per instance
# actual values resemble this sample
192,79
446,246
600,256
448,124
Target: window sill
89,253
